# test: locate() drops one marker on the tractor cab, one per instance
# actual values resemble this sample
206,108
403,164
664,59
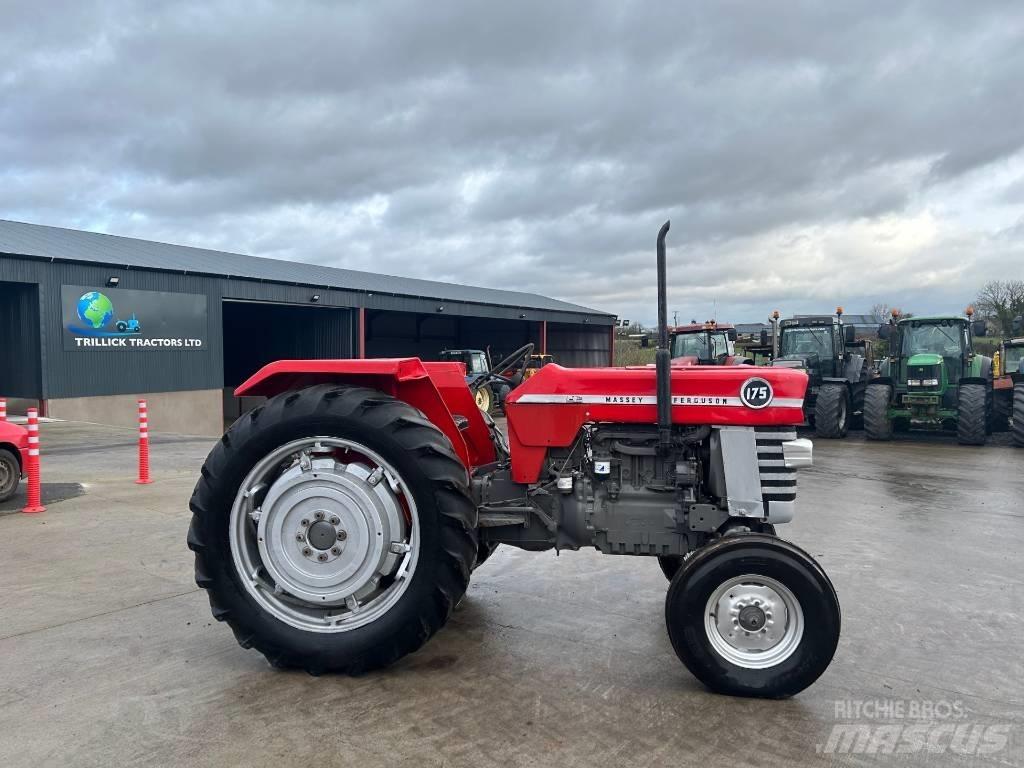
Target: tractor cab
816,344
475,360
707,343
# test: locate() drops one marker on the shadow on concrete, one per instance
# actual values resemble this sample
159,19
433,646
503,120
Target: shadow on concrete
53,493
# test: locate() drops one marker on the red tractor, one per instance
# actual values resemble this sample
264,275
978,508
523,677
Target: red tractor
709,343
335,528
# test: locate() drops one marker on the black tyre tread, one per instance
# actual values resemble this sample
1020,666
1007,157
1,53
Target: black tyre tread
670,565
972,414
680,586
1002,410
15,469
401,424
828,409
877,424
1017,429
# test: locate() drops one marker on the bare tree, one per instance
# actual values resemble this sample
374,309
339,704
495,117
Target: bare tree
1001,301
880,312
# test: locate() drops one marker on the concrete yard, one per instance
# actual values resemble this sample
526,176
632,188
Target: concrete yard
109,655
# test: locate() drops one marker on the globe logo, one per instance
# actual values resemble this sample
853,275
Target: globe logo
95,309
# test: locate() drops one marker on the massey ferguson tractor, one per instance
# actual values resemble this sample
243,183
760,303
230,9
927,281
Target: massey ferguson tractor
837,365
709,343
931,380
336,527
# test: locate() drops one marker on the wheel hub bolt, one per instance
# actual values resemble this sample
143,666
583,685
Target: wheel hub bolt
342,535
319,515
299,537
335,521
335,551
304,523
307,551
322,558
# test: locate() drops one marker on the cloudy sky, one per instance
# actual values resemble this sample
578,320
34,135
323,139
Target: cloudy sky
806,153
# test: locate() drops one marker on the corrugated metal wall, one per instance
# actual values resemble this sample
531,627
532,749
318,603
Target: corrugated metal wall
578,345
20,356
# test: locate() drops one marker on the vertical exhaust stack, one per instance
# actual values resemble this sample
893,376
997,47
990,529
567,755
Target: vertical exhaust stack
663,357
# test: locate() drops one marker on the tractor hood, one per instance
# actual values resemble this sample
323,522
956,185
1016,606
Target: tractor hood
796,361
925,359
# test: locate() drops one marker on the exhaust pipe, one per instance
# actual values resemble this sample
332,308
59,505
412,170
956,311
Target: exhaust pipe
663,357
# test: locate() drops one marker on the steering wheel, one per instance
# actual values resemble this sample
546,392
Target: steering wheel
523,354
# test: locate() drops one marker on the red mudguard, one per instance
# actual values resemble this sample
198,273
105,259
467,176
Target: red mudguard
437,389
550,407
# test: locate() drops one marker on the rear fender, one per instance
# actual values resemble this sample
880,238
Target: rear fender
438,390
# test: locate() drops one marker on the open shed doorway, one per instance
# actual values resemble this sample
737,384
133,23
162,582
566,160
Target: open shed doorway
257,333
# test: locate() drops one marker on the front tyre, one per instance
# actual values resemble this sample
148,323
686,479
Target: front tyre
972,414
753,615
10,474
1017,428
332,529
832,411
877,423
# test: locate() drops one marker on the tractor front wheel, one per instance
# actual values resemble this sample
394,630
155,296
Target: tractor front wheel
333,529
1017,429
972,414
832,411
877,424
753,615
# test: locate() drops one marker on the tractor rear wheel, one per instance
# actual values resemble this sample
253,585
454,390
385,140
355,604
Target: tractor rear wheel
333,529
972,414
753,615
832,411
1017,429
877,424
1002,410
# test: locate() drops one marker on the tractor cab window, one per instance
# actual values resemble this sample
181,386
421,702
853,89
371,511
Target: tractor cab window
476,363
806,340
697,345
1011,362
935,339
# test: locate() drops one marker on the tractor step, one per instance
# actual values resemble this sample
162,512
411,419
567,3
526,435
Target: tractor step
498,519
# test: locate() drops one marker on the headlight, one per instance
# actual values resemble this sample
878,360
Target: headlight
930,382
913,382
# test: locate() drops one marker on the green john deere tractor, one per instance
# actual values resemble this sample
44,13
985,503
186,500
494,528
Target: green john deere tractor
932,380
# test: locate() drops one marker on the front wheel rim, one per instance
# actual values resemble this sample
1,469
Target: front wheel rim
8,477
324,534
753,621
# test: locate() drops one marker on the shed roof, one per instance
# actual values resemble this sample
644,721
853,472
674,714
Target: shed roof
45,242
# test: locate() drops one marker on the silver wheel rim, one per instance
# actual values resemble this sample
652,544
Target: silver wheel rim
324,534
483,399
754,622
842,413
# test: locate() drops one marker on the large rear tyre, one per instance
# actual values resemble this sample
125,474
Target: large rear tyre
753,615
333,530
832,411
877,424
1002,410
972,414
1017,428
10,474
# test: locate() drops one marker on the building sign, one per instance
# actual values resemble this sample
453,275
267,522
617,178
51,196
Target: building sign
126,320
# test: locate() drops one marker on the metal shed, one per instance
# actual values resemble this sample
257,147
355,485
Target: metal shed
93,321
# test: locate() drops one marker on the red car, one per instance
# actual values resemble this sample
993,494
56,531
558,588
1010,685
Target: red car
13,457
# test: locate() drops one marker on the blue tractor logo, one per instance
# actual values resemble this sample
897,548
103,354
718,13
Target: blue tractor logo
131,325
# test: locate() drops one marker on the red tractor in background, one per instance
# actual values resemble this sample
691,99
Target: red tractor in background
336,527
709,343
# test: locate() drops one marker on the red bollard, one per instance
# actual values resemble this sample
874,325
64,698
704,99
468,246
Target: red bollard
34,503
3,409
144,478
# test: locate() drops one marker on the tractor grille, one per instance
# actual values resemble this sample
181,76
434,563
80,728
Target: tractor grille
777,482
924,373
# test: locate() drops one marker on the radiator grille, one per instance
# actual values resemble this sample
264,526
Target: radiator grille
777,482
